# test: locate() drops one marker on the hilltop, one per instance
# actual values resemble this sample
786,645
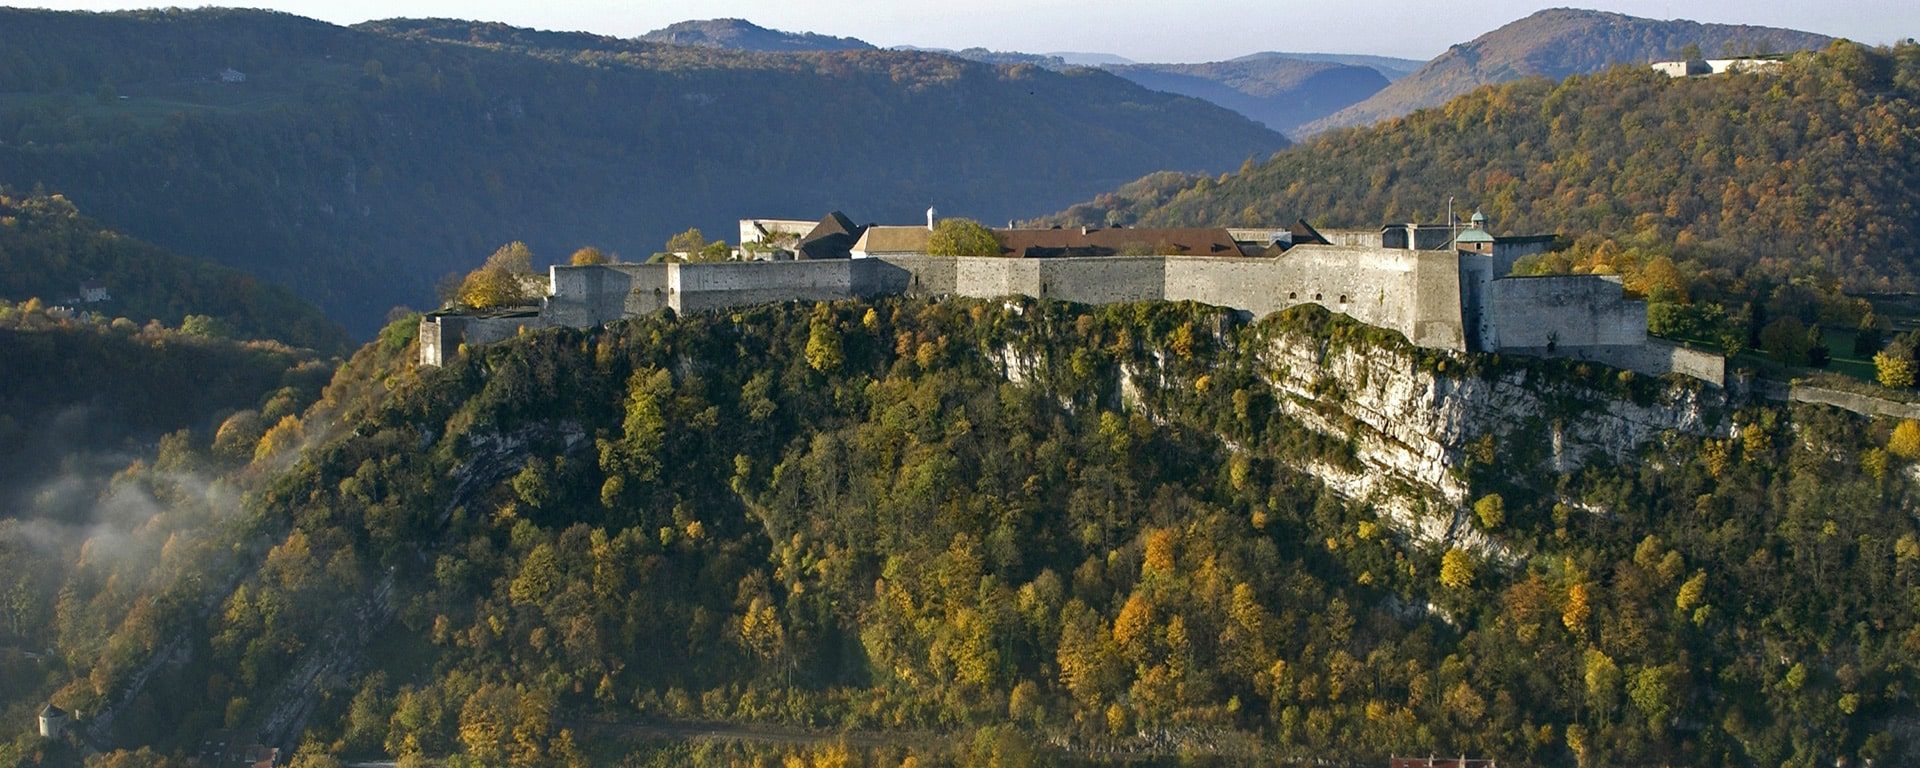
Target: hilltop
1554,44
1390,67
743,35
360,165
1029,529
1634,164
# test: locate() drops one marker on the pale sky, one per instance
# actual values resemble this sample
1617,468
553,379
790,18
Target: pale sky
1143,30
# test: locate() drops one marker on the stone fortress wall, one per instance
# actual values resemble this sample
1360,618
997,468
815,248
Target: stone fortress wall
1438,299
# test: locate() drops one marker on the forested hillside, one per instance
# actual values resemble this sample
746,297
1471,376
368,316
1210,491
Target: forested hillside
47,250
1742,180
1554,44
1007,533
358,166
81,391
99,471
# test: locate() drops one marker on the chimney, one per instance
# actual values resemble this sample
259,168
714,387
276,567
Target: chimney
929,218
1413,237
1083,230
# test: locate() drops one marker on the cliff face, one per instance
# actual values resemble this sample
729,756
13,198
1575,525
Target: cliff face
1413,420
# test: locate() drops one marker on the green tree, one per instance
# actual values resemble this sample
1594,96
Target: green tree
962,237
205,326
1786,339
1492,511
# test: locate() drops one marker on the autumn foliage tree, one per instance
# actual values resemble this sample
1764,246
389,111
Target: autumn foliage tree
503,281
962,237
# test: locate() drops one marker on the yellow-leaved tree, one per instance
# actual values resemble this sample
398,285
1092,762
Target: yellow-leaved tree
1905,441
502,281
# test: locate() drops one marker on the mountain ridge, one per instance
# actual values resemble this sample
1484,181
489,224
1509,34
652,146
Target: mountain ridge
1283,93
1554,44
370,161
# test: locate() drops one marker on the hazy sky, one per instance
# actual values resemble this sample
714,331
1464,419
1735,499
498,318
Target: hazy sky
1145,30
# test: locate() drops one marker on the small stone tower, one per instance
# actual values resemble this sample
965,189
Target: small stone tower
53,722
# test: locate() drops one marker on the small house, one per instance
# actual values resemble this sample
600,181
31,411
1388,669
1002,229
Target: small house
94,292
53,722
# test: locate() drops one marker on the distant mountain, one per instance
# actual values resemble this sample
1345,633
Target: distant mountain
1392,68
1086,59
1282,93
988,56
743,35
1554,44
359,165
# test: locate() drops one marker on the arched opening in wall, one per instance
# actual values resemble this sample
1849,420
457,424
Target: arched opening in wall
1316,297
1292,295
1343,298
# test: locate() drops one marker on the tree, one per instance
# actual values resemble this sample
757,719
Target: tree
824,352
205,326
962,237
1492,511
1894,366
1786,340
501,280
1579,606
687,244
1456,569
1905,441
1692,592
1869,337
588,256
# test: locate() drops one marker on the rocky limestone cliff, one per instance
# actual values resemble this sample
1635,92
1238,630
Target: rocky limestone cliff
1414,419
1412,423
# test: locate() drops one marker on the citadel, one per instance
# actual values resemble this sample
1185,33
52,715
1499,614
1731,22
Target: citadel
1442,286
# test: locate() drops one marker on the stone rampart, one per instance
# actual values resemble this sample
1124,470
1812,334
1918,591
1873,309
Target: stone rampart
595,295
1109,280
1564,311
1417,293
718,285
442,335
1653,357
1862,404
990,277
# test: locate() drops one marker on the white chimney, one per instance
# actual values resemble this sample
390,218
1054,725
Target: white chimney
929,218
